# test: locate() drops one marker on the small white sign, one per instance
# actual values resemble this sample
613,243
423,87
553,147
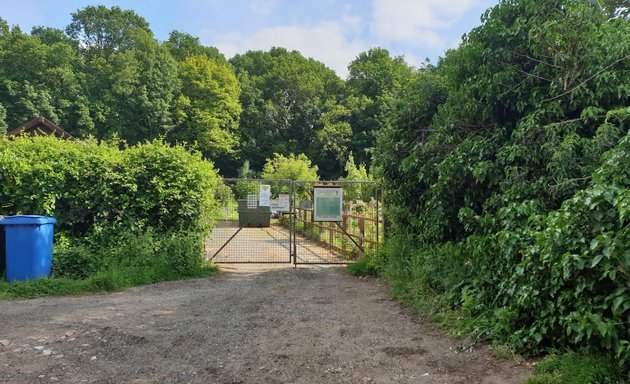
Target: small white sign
264,199
281,204
252,201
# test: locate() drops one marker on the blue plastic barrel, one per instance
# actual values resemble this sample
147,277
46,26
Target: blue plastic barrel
28,246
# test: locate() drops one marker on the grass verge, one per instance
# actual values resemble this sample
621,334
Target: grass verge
109,280
576,368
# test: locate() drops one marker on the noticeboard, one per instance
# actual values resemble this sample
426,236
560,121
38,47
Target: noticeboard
281,204
328,203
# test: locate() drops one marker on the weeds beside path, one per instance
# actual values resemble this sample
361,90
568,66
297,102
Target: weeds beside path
251,324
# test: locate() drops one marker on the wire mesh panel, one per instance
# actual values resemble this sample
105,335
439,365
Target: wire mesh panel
252,224
325,237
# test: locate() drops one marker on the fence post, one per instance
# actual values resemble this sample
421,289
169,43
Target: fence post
344,226
331,238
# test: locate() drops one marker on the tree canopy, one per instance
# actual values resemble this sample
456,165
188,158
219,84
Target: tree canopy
290,167
283,96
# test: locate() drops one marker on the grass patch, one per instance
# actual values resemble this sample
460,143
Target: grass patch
110,280
504,352
365,266
116,262
576,368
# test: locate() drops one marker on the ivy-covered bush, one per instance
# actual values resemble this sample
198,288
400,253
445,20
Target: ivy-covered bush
506,172
147,206
563,279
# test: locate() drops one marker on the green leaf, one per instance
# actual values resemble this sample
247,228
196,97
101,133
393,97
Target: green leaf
596,260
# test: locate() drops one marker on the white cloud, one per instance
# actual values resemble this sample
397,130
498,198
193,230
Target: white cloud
330,42
416,22
263,7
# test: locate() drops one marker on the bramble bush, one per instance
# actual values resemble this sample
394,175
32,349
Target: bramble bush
145,206
506,171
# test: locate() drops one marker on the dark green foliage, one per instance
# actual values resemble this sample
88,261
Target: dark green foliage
77,262
105,30
507,176
107,76
376,80
182,252
178,252
181,45
283,96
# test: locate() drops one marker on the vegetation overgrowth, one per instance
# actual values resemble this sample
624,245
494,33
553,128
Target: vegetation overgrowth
124,216
507,171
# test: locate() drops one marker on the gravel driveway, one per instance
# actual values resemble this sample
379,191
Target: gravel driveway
251,324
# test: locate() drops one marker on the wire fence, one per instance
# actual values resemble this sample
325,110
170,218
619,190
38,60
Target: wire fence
247,231
274,221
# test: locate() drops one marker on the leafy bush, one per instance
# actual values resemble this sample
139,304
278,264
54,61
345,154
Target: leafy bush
77,262
289,167
124,216
244,188
560,282
92,187
506,172
182,252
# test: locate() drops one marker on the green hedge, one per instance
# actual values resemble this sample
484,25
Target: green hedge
506,175
125,216
89,187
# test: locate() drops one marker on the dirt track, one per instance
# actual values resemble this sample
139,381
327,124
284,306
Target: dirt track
252,324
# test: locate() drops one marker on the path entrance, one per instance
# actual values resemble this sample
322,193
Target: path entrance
274,221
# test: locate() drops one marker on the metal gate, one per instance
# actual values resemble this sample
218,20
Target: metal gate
344,239
274,221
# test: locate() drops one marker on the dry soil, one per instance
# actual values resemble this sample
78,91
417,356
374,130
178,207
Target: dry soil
251,324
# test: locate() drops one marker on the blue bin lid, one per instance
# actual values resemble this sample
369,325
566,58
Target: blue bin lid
27,220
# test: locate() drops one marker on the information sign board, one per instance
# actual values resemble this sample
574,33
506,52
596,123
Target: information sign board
328,203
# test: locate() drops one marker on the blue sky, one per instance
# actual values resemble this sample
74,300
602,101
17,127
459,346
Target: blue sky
331,31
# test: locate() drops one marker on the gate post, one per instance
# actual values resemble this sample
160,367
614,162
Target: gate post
293,228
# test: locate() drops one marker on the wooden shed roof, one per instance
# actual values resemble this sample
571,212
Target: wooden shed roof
40,126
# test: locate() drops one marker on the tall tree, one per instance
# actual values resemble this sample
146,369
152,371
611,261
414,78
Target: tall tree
105,30
283,95
130,79
41,79
375,81
51,36
207,110
146,111
181,45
